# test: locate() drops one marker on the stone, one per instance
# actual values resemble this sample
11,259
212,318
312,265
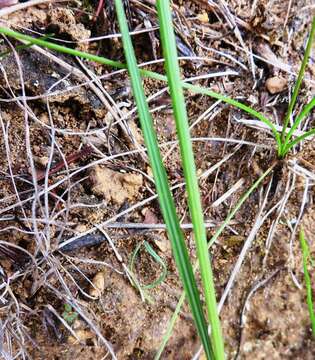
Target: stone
276,84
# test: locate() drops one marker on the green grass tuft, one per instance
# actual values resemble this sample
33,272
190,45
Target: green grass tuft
298,83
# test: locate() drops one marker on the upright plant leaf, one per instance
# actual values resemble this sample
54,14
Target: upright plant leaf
307,279
162,187
194,201
285,139
215,236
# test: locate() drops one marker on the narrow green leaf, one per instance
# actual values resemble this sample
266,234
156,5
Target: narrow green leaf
298,140
305,111
162,187
194,201
159,260
156,257
285,139
170,327
22,47
307,279
216,235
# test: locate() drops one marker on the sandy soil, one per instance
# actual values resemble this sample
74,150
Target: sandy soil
85,137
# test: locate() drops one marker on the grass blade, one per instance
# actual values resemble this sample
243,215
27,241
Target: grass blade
307,278
22,47
305,111
156,257
153,75
219,231
297,140
170,326
285,139
165,197
173,75
201,90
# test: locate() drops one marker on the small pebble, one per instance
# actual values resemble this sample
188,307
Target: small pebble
163,245
253,100
82,336
99,285
42,160
44,118
78,324
80,228
203,17
276,84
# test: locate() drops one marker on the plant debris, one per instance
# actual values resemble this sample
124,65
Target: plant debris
73,124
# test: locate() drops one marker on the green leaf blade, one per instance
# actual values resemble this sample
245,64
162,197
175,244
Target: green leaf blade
165,196
182,126
307,279
285,139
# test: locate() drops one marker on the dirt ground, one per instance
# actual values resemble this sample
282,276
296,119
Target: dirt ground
77,198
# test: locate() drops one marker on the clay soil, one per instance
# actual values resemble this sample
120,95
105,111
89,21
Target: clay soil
74,168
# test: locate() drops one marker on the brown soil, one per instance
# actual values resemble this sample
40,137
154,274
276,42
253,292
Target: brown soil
65,118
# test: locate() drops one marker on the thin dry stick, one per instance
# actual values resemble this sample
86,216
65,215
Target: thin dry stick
76,306
200,118
257,285
143,202
110,158
40,239
129,274
228,193
290,185
5,131
248,242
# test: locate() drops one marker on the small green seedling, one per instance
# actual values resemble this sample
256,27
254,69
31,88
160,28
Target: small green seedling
68,314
